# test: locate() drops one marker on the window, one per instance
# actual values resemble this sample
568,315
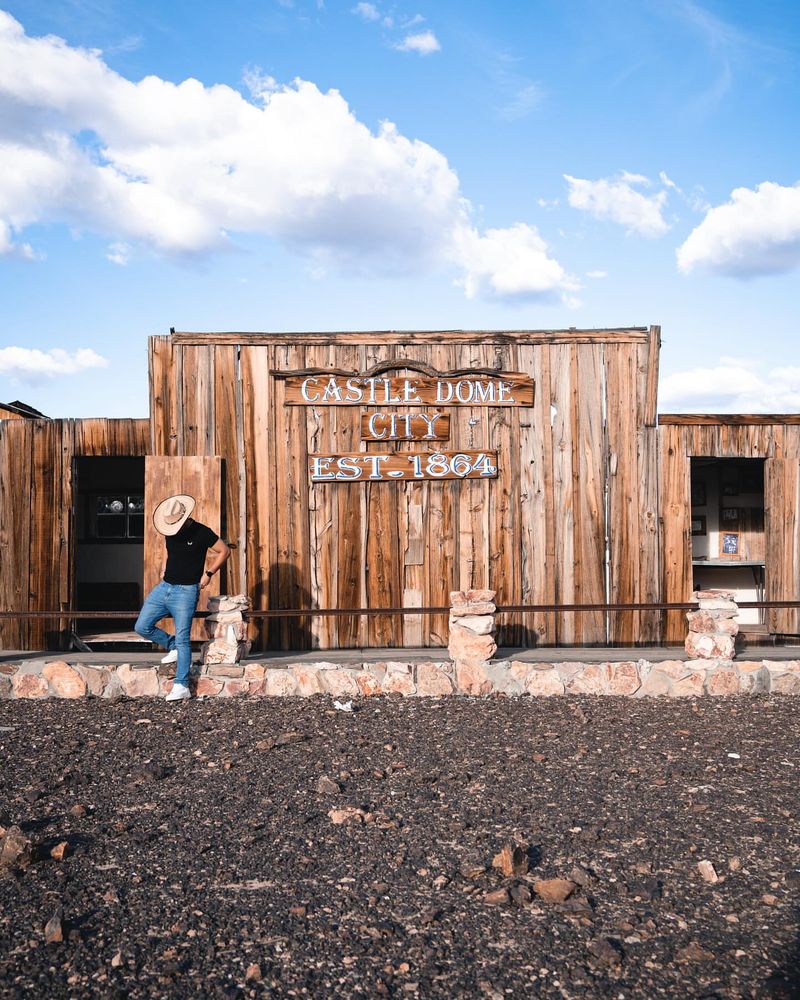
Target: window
119,516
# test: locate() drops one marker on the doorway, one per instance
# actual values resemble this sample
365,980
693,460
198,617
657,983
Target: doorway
109,547
727,532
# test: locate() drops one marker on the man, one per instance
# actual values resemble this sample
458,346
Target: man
182,578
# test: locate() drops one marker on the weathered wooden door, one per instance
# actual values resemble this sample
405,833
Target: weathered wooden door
164,476
782,509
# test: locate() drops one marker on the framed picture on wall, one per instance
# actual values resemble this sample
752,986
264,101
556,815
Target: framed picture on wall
730,489
729,545
698,524
729,515
698,494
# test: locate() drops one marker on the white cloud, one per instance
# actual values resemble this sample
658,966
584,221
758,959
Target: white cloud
616,199
734,385
366,10
184,168
119,253
423,42
31,365
597,274
755,232
509,263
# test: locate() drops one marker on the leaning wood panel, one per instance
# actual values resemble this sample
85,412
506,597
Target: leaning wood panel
15,528
782,515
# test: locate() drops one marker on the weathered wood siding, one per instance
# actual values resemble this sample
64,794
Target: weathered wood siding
577,482
36,501
765,436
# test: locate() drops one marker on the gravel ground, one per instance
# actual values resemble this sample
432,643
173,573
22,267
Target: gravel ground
201,859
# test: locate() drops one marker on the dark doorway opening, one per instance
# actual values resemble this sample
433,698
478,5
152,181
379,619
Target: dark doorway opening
109,548
728,536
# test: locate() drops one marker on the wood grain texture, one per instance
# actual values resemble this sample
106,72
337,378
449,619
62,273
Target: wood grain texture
675,529
736,419
622,335
782,515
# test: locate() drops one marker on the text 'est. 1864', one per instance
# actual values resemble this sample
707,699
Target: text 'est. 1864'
402,465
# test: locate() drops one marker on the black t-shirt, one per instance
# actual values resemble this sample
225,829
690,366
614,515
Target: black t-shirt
186,552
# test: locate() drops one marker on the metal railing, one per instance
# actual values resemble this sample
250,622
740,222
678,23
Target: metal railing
371,612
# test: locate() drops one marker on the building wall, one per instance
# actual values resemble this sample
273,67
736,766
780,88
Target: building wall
36,500
775,438
571,518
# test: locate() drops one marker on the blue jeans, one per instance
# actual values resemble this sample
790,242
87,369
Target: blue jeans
178,601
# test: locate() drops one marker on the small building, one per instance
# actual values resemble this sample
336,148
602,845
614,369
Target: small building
383,470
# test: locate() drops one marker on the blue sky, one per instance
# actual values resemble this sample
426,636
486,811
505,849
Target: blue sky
548,165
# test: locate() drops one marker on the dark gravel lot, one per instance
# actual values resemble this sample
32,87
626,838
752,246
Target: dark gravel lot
199,850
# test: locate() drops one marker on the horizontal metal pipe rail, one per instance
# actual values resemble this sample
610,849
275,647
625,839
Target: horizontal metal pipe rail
349,612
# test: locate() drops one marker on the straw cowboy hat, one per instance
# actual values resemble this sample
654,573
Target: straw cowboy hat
171,514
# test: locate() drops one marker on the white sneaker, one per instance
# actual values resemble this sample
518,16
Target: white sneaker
171,657
179,692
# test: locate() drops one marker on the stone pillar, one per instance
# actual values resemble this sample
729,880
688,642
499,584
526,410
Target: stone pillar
226,629
712,628
472,626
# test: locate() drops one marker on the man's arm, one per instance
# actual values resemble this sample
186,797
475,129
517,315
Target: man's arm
220,552
163,566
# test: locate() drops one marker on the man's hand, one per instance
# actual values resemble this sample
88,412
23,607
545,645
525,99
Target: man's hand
204,581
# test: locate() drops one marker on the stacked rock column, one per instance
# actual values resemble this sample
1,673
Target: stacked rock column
713,627
226,630
471,643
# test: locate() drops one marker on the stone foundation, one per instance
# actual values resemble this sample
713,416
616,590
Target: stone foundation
37,679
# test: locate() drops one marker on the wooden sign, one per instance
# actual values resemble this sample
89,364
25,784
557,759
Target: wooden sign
373,467
405,426
506,389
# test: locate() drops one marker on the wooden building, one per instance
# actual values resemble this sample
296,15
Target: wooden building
368,470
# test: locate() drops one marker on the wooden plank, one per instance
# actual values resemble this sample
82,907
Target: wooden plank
441,506
382,426
381,527
536,520
198,401
15,528
290,576
504,560
782,514
225,421
621,335
651,387
45,532
507,389
163,403
736,419
345,541
563,491
588,482
260,484
623,488
676,508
